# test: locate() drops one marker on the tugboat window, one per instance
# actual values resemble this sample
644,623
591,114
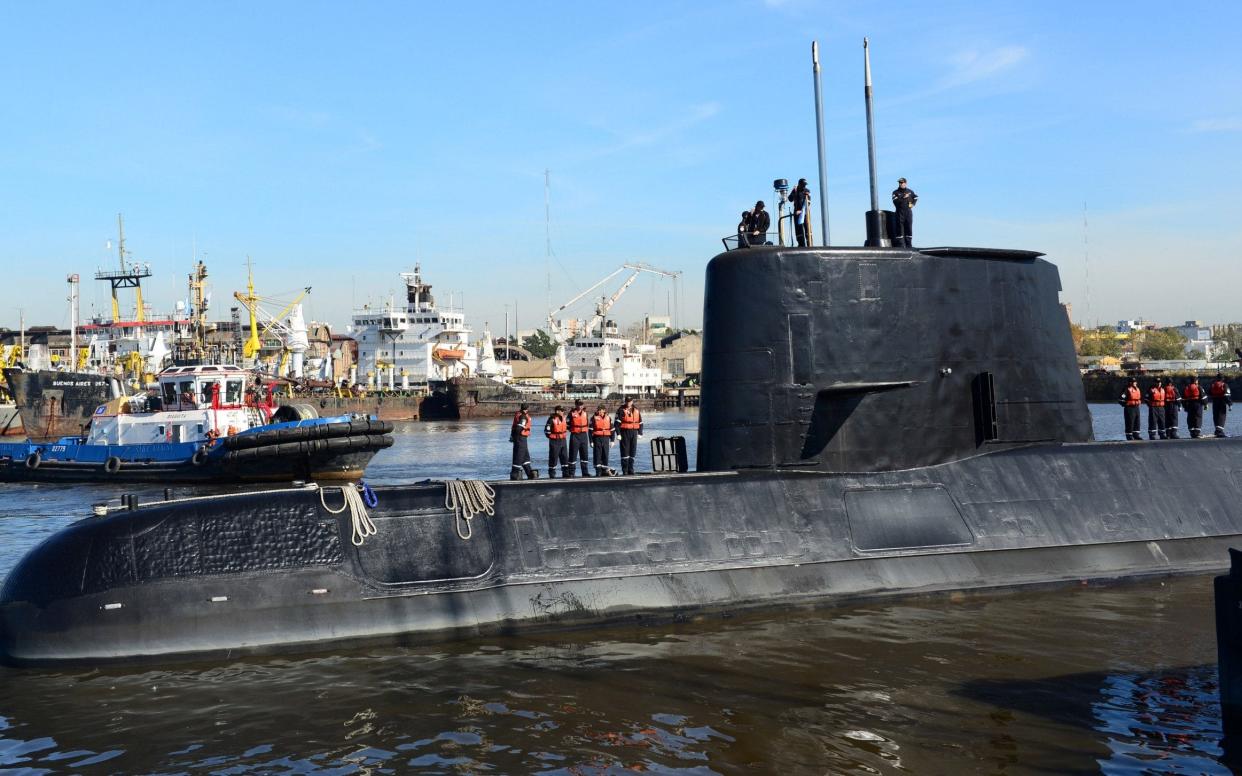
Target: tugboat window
233,395
170,394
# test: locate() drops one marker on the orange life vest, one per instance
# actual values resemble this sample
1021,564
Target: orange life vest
1155,396
522,429
579,421
601,425
1192,392
1170,394
1134,397
556,427
1218,389
631,420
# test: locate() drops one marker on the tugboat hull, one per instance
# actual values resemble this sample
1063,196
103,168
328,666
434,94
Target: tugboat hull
276,571
318,450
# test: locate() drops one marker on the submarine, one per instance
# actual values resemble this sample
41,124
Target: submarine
874,422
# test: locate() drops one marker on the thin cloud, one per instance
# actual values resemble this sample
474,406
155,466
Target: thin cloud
693,115
1217,125
972,66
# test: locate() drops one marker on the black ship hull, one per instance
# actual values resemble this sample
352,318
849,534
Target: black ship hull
55,404
873,423
278,572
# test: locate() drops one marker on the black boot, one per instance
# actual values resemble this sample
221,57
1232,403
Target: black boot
515,473
531,473
586,472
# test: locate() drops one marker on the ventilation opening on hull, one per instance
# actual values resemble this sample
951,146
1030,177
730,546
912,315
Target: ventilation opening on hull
983,395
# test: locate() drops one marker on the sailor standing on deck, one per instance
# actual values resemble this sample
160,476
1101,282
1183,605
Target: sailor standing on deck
521,449
1171,400
1192,400
602,437
760,222
629,429
579,438
1131,399
904,200
556,430
1222,400
1155,410
801,201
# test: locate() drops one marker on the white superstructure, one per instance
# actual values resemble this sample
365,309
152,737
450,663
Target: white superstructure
415,344
606,363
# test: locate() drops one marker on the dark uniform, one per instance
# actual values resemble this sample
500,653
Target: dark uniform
579,439
801,201
743,230
903,203
556,430
1222,400
759,224
1192,401
1131,399
602,433
629,429
521,450
1171,400
1155,411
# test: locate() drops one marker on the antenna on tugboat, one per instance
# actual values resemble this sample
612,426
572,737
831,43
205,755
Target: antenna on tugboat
819,134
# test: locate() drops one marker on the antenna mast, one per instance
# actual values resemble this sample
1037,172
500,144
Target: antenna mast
819,134
877,231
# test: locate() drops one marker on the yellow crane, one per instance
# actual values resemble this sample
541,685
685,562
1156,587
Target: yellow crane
251,301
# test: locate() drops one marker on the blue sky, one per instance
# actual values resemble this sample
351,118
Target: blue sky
338,143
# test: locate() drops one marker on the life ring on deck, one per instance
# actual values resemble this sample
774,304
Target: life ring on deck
200,457
34,459
112,465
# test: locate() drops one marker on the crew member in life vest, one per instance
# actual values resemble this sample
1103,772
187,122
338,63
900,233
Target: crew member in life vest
1222,400
1155,410
521,449
602,437
1192,402
557,432
1171,400
629,429
1131,399
579,438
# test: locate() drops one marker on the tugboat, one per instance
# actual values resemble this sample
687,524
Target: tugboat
205,424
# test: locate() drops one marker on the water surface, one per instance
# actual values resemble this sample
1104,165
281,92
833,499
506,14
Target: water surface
1090,679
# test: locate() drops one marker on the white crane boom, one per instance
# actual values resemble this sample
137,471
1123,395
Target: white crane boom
602,308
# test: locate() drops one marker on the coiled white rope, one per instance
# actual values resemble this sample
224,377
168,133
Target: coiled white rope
465,499
362,523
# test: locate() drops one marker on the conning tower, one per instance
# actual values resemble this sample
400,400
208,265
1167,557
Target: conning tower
865,359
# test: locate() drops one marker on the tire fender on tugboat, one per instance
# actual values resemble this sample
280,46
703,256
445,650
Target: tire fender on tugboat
34,460
112,465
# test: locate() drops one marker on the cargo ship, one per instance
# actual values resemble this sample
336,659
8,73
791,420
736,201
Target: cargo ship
53,404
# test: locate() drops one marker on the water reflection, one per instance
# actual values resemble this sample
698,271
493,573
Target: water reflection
1115,679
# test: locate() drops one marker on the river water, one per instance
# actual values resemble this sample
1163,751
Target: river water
1093,679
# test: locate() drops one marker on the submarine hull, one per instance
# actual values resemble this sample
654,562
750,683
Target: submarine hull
277,571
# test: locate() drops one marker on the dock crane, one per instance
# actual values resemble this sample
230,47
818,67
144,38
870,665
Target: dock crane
292,334
560,371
